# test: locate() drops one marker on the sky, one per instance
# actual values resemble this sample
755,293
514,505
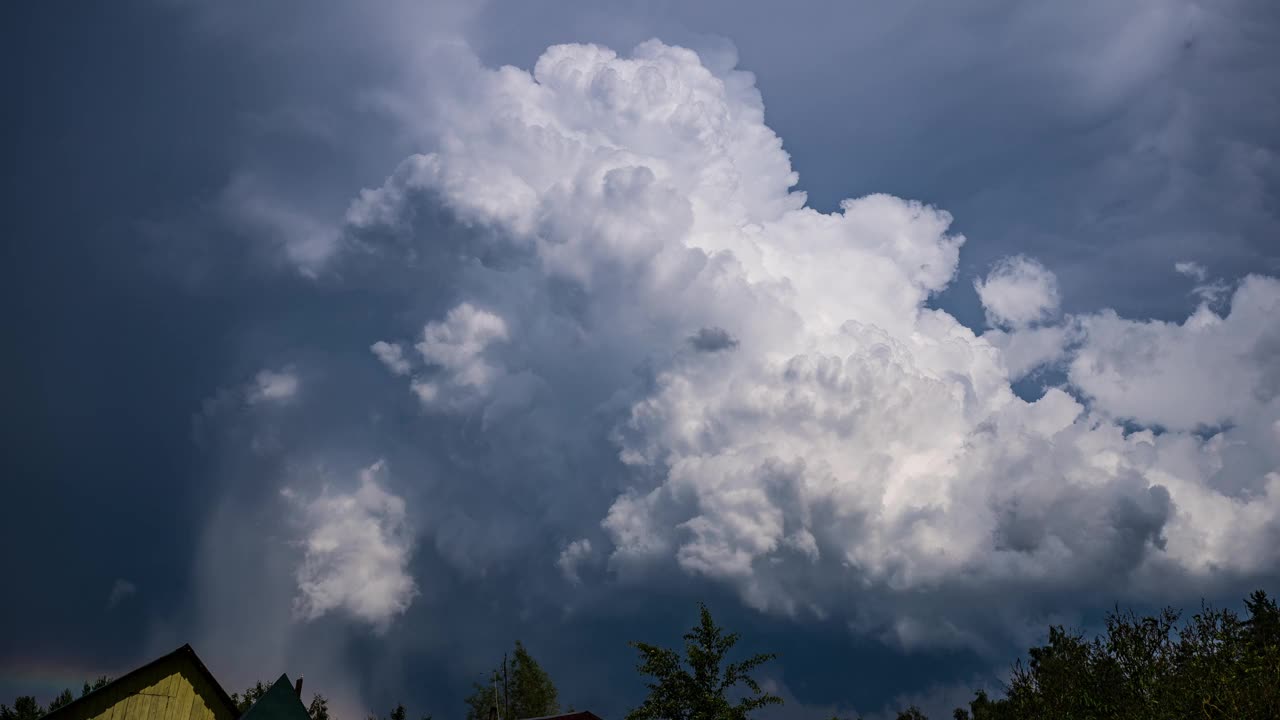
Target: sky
359,340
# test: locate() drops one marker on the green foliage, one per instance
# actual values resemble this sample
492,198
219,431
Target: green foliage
250,696
519,688
699,688
63,698
319,708
322,713
1216,666
24,707
911,713
98,684
532,692
479,701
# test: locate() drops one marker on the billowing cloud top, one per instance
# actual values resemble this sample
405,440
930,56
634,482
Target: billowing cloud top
597,235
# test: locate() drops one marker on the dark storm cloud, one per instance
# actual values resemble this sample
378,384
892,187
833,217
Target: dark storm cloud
713,339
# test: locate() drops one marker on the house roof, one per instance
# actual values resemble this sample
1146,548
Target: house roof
580,715
279,702
183,653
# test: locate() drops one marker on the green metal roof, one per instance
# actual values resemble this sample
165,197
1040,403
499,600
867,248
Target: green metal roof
280,702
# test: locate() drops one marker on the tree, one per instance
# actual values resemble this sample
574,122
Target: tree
980,706
1263,625
911,713
398,713
98,684
483,697
532,694
24,707
317,710
63,698
519,688
319,707
250,696
1215,666
699,688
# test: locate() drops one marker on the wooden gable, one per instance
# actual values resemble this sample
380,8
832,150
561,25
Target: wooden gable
176,686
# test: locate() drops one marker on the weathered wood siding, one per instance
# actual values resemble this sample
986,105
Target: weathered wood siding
170,691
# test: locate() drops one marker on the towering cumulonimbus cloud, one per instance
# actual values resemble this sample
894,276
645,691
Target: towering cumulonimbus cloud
789,415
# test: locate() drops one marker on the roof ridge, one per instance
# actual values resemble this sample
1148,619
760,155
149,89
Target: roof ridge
186,651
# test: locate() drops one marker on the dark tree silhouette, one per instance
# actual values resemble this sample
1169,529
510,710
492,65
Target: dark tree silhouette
518,687
700,687
1215,666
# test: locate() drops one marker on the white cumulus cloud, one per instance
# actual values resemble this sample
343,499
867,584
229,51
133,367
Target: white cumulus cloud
1210,369
391,355
1193,270
574,554
356,551
1018,292
464,371
273,386
1026,349
835,437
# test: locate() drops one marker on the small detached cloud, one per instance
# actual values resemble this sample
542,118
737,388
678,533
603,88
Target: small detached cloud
356,551
1193,270
1210,292
273,386
574,555
391,355
1018,292
121,590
